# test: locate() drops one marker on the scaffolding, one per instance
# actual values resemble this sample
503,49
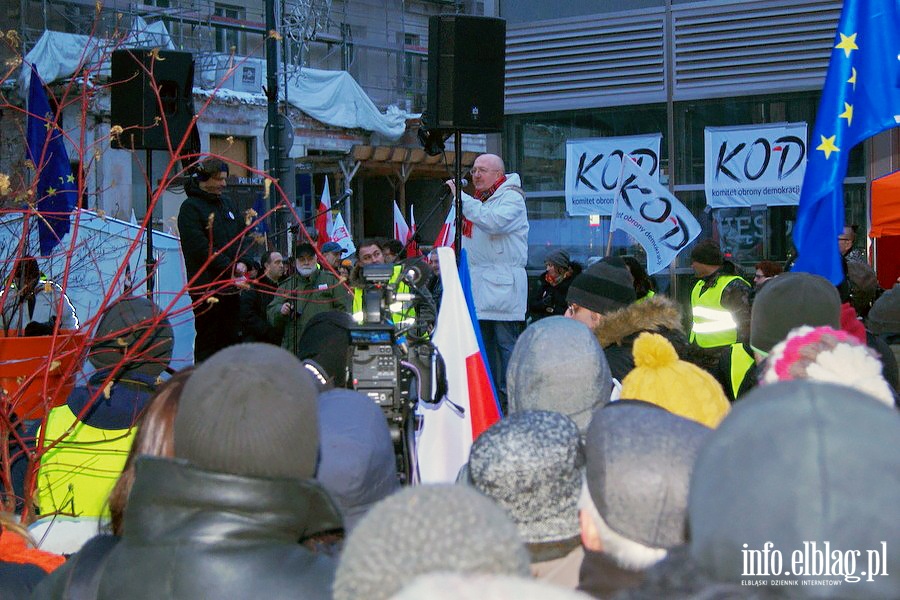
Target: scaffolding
382,43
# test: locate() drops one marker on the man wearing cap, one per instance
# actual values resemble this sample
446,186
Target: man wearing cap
720,303
550,298
332,252
310,290
495,237
603,298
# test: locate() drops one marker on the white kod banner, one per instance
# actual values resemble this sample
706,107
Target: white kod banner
593,167
752,165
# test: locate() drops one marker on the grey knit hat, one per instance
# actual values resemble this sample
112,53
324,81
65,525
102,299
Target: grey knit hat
605,286
531,464
800,463
557,364
248,410
885,314
356,462
639,461
560,258
790,300
427,529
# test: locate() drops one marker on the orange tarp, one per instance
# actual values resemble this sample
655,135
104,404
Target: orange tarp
886,206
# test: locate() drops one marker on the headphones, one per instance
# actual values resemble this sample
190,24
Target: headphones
201,172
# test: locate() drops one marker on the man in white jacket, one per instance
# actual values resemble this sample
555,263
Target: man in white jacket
495,237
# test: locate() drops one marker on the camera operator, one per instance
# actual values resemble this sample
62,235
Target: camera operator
309,291
369,252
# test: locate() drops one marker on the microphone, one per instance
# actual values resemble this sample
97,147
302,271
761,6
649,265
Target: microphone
462,182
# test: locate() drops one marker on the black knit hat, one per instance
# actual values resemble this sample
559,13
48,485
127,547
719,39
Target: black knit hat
707,252
605,286
304,249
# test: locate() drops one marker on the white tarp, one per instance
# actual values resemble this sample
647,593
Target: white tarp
101,246
332,97
593,166
752,165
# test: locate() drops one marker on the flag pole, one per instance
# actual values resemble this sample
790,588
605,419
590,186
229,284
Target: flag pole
615,206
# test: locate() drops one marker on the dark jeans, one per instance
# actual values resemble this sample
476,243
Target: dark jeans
499,340
217,324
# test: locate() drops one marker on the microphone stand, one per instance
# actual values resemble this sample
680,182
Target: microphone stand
457,172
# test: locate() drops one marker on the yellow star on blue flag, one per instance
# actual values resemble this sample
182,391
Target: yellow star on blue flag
860,98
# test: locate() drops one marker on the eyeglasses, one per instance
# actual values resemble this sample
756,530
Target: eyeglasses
482,171
844,239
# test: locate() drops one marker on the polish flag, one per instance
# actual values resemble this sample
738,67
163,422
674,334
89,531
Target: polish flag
412,248
470,407
447,234
401,229
324,223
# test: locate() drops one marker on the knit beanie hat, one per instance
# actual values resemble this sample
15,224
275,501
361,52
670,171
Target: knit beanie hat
799,463
447,586
356,462
249,410
427,529
707,252
659,377
825,354
560,258
558,365
135,326
791,300
605,286
884,317
639,461
531,463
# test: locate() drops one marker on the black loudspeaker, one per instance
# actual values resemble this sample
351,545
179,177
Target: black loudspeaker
466,66
145,92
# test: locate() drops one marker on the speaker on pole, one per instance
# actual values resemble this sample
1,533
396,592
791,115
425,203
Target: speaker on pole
466,67
146,92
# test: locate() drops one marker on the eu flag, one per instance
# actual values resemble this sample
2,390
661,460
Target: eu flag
56,189
861,97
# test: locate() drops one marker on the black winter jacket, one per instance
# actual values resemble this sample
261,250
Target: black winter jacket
190,533
207,224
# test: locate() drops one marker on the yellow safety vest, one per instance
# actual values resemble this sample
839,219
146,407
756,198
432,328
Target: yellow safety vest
741,361
713,326
77,475
399,314
649,295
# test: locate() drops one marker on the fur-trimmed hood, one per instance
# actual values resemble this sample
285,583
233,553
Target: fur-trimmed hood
651,314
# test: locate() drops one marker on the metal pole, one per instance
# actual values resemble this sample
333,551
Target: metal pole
274,145
457,199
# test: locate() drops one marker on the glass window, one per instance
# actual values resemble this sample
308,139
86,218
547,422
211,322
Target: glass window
229,40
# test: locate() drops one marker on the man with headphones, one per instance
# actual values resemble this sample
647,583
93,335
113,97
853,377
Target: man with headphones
211,233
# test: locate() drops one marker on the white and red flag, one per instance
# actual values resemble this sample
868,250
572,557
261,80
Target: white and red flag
324,222
401,229
412,247
447,234
470,407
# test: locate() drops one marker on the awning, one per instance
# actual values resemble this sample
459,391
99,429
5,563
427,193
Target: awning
886,206
396,161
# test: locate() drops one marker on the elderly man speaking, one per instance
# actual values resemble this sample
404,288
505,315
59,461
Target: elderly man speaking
495,237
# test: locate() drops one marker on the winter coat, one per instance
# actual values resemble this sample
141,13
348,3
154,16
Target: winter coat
191,533
619,329
497,248
43,307
209,222
255,326
550,300
602,577
318,293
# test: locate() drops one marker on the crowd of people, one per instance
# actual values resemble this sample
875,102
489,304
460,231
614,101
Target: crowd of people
642,453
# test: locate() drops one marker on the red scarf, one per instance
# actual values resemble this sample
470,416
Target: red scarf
484,196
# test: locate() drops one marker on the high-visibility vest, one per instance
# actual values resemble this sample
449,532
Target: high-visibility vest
399,314
649,295
713,326
77,475
741,361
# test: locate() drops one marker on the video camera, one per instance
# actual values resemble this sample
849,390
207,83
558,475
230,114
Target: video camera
392,359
